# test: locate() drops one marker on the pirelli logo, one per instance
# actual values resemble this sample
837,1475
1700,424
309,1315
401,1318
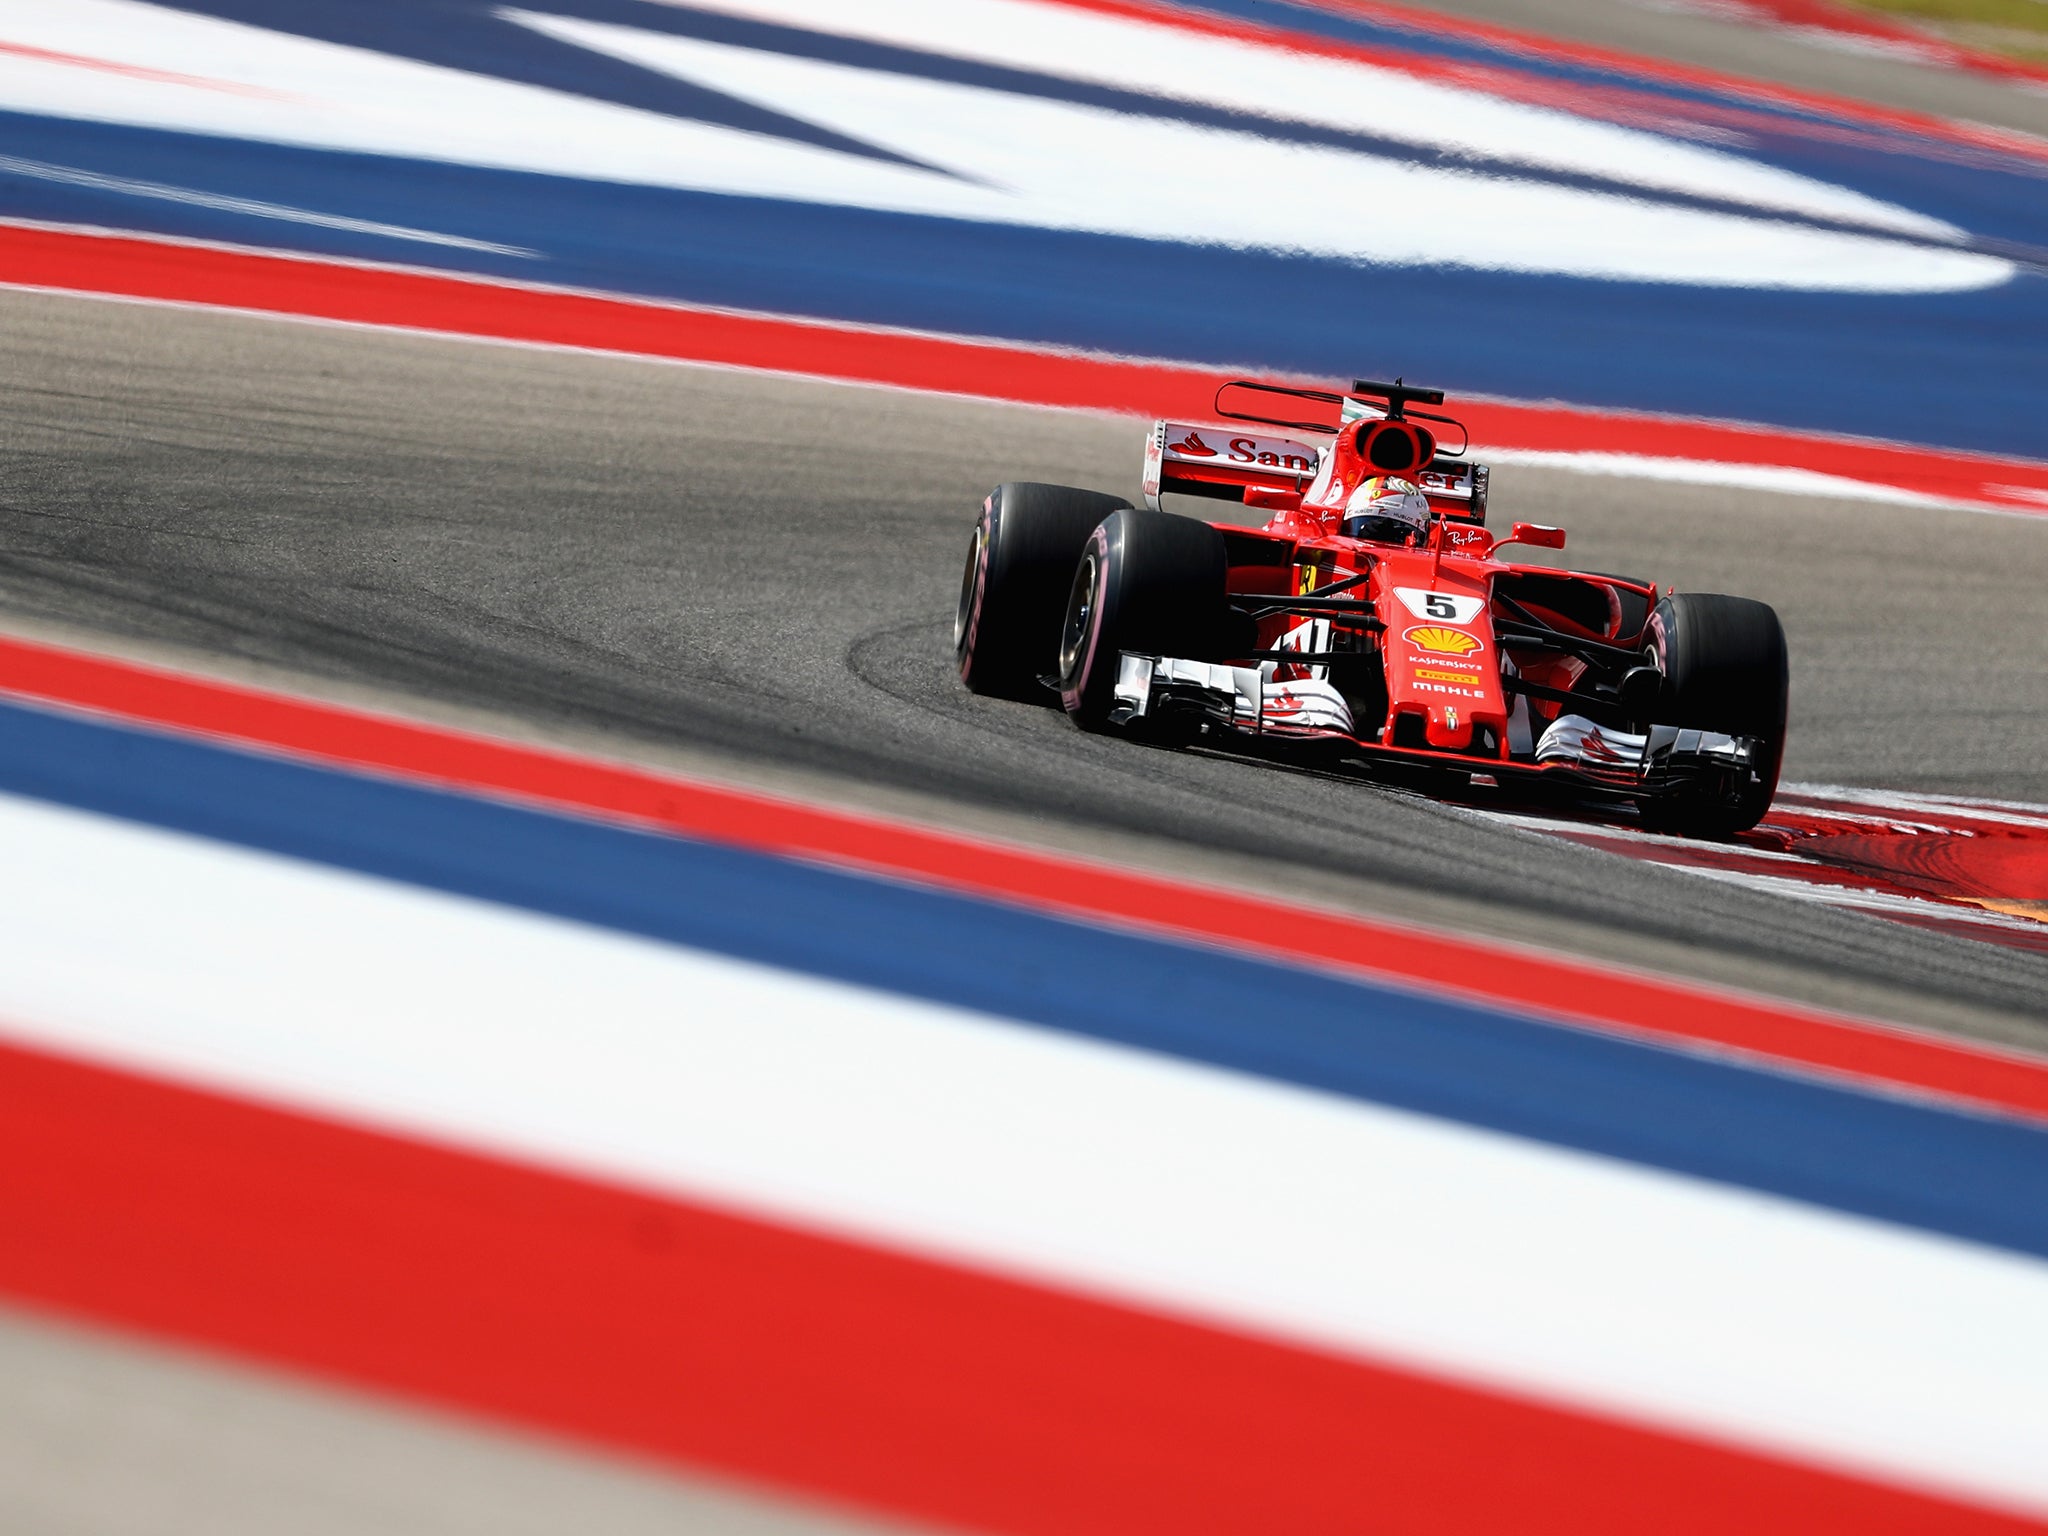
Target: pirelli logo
1439,675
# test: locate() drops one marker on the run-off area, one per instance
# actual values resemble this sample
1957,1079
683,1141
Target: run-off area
757,574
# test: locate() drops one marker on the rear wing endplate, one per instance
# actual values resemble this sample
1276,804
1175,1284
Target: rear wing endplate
1456,488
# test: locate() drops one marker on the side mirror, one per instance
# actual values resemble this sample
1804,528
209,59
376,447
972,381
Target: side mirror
1542,535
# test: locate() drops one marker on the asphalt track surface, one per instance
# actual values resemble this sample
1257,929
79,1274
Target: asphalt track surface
756,576
753,577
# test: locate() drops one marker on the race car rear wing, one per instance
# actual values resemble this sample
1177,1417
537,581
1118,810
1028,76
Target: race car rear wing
1456,488
1196,460
1215,461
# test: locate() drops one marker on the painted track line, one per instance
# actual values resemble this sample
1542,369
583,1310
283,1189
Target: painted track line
677,1329
1688,1016
1700,1251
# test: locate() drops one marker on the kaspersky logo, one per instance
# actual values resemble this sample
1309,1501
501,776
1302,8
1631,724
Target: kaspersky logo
1441,640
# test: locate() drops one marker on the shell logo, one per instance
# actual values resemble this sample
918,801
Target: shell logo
1441,640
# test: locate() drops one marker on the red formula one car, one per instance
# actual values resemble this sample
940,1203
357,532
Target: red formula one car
1371,622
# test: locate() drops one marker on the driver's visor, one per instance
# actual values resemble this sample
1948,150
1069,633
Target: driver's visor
1381,530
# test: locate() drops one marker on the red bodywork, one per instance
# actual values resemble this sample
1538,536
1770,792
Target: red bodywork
1438,608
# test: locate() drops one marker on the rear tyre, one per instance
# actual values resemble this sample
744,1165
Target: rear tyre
1725,669
1013,593
1149,582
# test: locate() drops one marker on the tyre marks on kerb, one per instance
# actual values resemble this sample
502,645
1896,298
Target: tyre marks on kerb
1977,869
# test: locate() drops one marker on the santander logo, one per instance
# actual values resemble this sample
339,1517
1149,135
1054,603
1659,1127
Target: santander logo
1193,445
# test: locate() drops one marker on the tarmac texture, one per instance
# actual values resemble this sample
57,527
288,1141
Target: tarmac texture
753,578
759,573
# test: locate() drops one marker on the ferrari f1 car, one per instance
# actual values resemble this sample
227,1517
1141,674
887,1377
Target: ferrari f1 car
1372,621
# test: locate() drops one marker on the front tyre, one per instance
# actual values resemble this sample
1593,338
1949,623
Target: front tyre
1013,593
1725,669
1146,581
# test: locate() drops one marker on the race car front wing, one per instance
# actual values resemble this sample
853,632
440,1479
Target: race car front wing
1252,702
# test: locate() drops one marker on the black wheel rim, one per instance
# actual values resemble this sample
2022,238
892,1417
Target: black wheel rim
1080,619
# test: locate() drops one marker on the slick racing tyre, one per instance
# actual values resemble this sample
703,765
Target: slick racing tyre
1013,594
1146,581
1725,669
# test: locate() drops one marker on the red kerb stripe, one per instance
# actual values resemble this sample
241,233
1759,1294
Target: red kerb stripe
1523,981
691,1334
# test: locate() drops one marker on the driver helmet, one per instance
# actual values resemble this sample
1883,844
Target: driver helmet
1387,510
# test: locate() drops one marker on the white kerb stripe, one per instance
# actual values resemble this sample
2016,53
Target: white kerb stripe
1007,158
1175,1186
1183,63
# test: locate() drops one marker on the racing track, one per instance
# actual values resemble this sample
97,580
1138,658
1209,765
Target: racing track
755,576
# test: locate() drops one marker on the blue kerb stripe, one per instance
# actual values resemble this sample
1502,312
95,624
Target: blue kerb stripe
1808,361
1972,1177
